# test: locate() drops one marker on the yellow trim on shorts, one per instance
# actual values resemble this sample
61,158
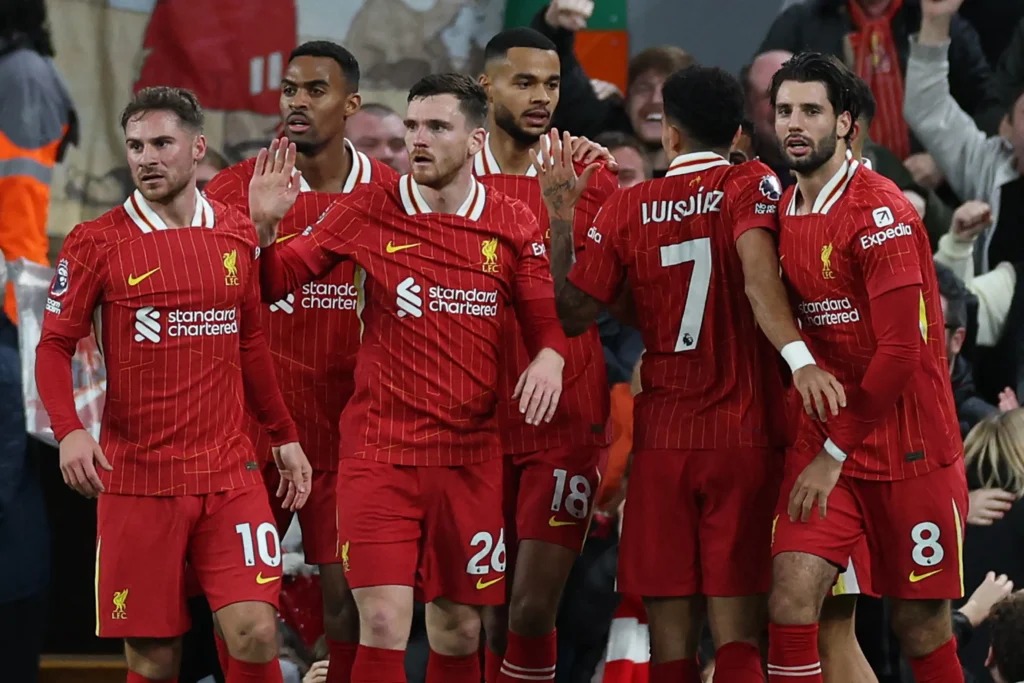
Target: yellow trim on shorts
959,546
96,585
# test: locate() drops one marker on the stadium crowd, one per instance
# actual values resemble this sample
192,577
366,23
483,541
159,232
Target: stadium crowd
936,107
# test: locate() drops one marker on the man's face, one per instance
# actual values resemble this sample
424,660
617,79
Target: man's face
759,104
523,89
806,125
632,169
645,107
1016,131
379,137
162,154
954,335
315,102
439,139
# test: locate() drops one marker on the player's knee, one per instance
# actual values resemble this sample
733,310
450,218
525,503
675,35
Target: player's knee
384,623
250,631
495,624
341,617
922,626
153,658
789,605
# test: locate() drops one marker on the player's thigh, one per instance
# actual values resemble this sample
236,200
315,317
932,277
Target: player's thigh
658,551
555,494
271,480
235,548
464,554
318,519
141,548
739,489
380,510
915,534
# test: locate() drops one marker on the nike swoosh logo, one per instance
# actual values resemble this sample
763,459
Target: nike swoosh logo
263,580
554,523
481,584
395,248
132,280
914,578
285,238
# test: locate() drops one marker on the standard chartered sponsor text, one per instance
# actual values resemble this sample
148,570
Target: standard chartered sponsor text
329,297
208,323
463,301
828,312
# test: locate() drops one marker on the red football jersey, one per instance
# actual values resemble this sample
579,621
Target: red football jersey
862,239
434,288
170,307
710,378
313,333
582,416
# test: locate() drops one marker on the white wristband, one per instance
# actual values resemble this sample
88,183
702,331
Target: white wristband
835,451
797,355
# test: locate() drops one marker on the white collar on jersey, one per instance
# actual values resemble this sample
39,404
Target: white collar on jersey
833,189
866,163
694,163
485,163
359,173
415,204
146,219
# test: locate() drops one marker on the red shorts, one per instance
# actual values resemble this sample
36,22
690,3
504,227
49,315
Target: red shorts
914,530
856,578
549,495
438,529
699,522
318,518
143,543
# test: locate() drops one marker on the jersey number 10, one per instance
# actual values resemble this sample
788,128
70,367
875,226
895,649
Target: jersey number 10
698,252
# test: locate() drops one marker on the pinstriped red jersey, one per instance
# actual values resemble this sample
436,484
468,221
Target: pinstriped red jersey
582,416
313,333
171,308
860,240
434,288
710,378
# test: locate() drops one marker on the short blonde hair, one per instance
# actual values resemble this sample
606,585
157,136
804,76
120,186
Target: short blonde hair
995,448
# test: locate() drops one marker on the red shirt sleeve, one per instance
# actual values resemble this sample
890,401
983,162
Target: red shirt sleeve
752,198
262,392
885,247
599,270
603,185
533,293
229,186
54,382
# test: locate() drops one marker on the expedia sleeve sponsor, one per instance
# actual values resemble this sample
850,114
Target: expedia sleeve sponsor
878,238
828,312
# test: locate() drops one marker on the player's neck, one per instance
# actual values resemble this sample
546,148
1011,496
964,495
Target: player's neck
811,184
328,168
178,211
671,155
451,197
513,156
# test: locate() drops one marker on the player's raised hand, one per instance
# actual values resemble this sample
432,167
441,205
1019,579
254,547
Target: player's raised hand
540,387
559,184
821,391
586,151
273,189
813,487
79,457
296,475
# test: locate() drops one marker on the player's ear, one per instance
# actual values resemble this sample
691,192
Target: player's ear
844,124
352,104
199,148
477,138
485,82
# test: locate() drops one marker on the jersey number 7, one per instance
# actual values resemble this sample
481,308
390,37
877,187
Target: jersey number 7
698,252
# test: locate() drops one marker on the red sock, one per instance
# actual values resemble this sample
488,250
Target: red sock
448,669
343,656
139,678
492,665
739,662
793,653
248,672
677,671
529,659
941,666
376,665
223,657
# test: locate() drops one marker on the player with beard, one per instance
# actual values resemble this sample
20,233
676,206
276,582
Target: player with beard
889,469
314,333
551,471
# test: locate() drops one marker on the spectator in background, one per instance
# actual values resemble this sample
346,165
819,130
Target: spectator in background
377,131
581,111
977,167
872,37
1005,660
634,166
757,79
1008,79
37,122
212,164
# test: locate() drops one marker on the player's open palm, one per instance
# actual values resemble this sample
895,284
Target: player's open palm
821,392
556,172
80,455
273,189
813,487
540,387
296,475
